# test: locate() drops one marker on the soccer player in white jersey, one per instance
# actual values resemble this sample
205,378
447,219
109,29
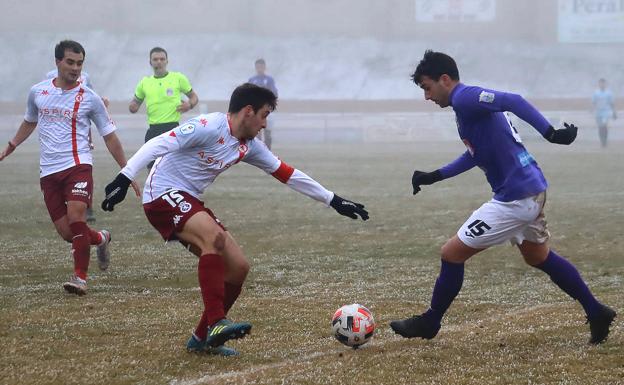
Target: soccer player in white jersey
188,159
63,109
85,80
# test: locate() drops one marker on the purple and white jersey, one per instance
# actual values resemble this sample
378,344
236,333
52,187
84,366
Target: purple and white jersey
192,155
494,144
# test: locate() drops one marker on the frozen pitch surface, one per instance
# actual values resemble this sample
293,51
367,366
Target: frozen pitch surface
509,325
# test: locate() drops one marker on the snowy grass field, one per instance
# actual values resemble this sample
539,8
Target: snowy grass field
509,325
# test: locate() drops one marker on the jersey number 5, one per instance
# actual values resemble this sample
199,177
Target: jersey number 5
514,132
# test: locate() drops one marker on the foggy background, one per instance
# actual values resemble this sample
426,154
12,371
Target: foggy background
344,64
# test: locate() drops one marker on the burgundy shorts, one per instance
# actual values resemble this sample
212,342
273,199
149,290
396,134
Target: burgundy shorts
73,184
169,212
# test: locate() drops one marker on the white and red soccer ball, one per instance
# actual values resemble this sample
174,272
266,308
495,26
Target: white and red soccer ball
353,325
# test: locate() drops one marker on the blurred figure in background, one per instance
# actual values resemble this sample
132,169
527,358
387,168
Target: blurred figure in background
263,80
602,100
161,93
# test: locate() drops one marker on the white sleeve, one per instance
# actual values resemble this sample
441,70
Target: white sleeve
187,135
153,149
99,115
261,157
32,111
302,183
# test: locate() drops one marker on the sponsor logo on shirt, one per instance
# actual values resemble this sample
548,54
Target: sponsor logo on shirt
45,93
221,140
203,121
486,97
525,158
54,114
169,91
176,219
187,129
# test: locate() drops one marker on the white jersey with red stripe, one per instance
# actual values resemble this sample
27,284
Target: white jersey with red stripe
64,118
191,156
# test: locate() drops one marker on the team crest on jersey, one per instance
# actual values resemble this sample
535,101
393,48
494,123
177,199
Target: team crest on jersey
187,129
185,207
486,97
169,91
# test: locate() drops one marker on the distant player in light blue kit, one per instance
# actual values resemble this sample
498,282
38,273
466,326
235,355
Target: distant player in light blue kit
516,212
604,110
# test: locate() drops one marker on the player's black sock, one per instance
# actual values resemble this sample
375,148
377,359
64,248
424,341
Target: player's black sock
567,277
446,288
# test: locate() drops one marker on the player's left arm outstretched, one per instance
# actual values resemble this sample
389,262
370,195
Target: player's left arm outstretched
486,100
261,157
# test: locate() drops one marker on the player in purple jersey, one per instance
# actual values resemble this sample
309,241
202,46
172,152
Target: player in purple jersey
263,80
516,212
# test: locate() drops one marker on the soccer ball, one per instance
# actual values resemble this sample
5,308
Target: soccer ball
353,325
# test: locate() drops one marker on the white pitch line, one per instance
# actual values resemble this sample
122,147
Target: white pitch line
217,378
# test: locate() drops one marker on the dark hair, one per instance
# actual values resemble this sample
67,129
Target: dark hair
158,49
63,45
260,61
251,95
434,65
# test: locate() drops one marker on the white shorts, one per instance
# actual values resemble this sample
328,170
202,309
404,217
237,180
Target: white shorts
603,120
497,222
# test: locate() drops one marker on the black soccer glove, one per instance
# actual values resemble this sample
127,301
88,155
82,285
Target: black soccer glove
421,178
347,208
115,192
564,135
